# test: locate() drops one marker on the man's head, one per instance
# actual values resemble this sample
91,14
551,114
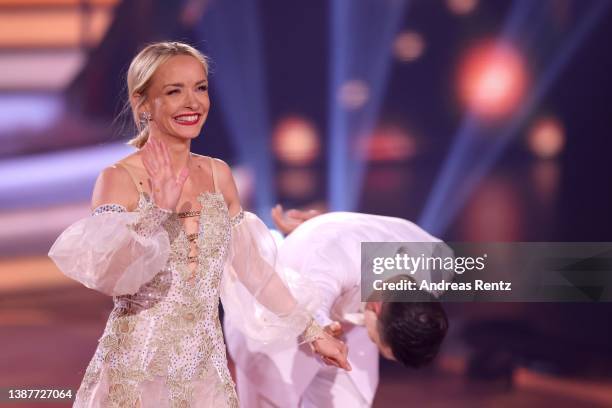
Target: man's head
408,332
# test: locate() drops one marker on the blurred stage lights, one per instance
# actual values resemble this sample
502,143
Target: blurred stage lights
495,212
492,80
461,6
561,12
297,182
408,46
545,176
546,138
295,141
388,143
384,183
353,94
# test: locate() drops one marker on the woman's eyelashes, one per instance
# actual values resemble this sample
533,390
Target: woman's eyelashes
201,88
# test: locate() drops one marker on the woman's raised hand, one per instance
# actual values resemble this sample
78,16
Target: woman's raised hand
165,187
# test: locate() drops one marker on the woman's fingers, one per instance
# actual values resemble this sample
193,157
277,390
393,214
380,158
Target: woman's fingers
147,166
146,161
150,154
158,157
161,161
159,150
158,164
165,155
182,177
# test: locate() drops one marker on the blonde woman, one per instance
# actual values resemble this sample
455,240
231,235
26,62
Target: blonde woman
167,239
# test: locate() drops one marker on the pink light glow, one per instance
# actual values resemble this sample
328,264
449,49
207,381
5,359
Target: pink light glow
492,80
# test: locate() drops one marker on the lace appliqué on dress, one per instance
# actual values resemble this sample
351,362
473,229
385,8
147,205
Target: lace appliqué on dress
151,218
170,329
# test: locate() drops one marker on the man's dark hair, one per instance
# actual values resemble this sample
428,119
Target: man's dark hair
413,330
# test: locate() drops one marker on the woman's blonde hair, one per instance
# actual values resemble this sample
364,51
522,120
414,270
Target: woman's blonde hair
141,71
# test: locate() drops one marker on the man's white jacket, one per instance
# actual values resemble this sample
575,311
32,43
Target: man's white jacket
327,250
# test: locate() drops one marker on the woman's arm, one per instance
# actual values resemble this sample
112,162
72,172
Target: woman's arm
252,262
114,186
114,251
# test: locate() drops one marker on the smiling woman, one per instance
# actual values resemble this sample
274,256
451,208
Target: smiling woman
168,238
159,79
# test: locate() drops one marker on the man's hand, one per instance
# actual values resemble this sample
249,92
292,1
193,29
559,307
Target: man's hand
332,351
334,329
287,221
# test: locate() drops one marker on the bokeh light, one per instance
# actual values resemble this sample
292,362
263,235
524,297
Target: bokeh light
408,46
492,79
388,143
297,183
545,176
353,94
388,182
495,213
461,6
546,138
295,141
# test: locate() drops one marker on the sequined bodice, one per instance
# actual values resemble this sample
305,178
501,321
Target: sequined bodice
189,279
170,328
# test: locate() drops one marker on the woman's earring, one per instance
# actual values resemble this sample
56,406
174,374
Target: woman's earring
145,118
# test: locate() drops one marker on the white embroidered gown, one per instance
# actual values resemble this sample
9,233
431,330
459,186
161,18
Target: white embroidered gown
163,345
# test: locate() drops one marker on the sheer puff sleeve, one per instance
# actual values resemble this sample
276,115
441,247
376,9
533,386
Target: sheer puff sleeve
114,251
264,300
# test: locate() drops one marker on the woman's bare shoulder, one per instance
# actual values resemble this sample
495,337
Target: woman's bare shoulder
221,168
227,185
200,158
131,160
115,185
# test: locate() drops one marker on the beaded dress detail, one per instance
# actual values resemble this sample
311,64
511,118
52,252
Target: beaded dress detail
168,333
163,345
